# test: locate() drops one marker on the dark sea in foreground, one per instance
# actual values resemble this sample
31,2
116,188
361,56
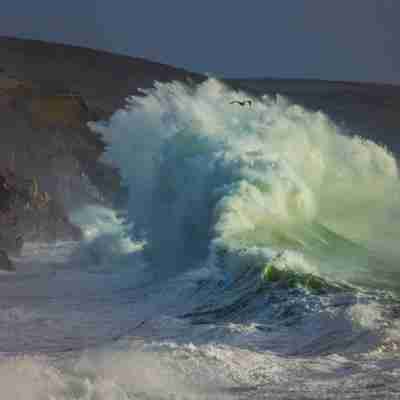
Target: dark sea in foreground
257,257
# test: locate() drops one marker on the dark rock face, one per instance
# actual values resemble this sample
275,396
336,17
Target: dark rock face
58,110
27,212
49,159
5,263
8,215
48,155
46,148
103,79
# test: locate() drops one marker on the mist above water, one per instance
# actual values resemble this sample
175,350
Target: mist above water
207,176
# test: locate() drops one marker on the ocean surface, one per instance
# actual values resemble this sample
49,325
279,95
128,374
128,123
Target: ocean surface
257,258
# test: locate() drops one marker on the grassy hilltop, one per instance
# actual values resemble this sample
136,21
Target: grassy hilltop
48,93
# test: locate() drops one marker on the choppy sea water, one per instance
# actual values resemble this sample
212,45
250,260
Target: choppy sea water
257,258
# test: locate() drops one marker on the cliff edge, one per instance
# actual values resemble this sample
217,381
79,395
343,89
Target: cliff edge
50,161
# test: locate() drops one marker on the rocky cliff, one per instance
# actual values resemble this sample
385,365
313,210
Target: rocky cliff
50,161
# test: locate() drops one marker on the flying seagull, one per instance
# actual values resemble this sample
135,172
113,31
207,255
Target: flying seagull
242,103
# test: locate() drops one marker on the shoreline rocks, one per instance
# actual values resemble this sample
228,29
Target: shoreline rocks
5,262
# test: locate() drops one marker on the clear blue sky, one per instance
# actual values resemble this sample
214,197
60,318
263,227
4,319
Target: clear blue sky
326,39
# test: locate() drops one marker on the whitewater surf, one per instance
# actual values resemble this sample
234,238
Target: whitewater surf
207,178
257,257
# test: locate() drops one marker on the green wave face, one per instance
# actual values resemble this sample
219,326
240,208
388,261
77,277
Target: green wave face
213,182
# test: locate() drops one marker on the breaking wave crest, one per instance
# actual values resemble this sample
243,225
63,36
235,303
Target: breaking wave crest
237,187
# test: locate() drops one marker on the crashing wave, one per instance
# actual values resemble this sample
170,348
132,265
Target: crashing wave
207,178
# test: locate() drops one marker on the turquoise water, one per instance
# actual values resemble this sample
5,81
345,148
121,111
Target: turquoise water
257,258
